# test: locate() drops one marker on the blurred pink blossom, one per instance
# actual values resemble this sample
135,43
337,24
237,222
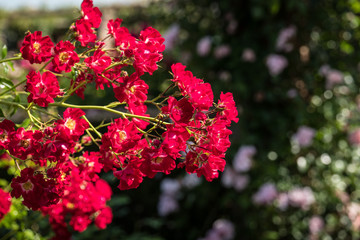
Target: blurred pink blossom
283,201
167,204
222,51
301,197
316,224
204,46
333,77
324,69
292,93
230,179
225,228
225,76
265,195
243,159
304,136
354,137
283,41
248,55
171,36
190,181
222,229
170,186
232,26
353,212
276,64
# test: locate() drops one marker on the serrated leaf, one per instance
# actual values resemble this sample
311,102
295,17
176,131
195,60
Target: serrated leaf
4,52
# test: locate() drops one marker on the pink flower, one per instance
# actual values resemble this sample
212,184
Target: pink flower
222,229
333,77
301,197
304,136
248,55
204,46
171,36
222,51
283,201
265,195
354,137
276,64
225,228
167,204
283,41
316,224
243,159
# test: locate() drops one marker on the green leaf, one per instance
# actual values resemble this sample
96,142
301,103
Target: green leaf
4,52
4,82
24,124
346,47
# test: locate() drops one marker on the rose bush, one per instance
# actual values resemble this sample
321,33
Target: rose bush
57,170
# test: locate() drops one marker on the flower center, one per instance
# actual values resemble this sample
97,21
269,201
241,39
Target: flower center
157,160
25,143
28,186
70,123
3,137
132,89
122,135
36,47
63,57
70,205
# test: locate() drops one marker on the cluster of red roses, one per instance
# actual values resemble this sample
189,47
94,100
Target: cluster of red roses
5,203
60,178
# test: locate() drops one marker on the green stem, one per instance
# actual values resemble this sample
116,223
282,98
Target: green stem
92,127
161,94
104,108
8,235
12,88
10,59
92,138
73,90
13,104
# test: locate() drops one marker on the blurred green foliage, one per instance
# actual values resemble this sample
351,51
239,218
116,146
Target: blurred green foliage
272,108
